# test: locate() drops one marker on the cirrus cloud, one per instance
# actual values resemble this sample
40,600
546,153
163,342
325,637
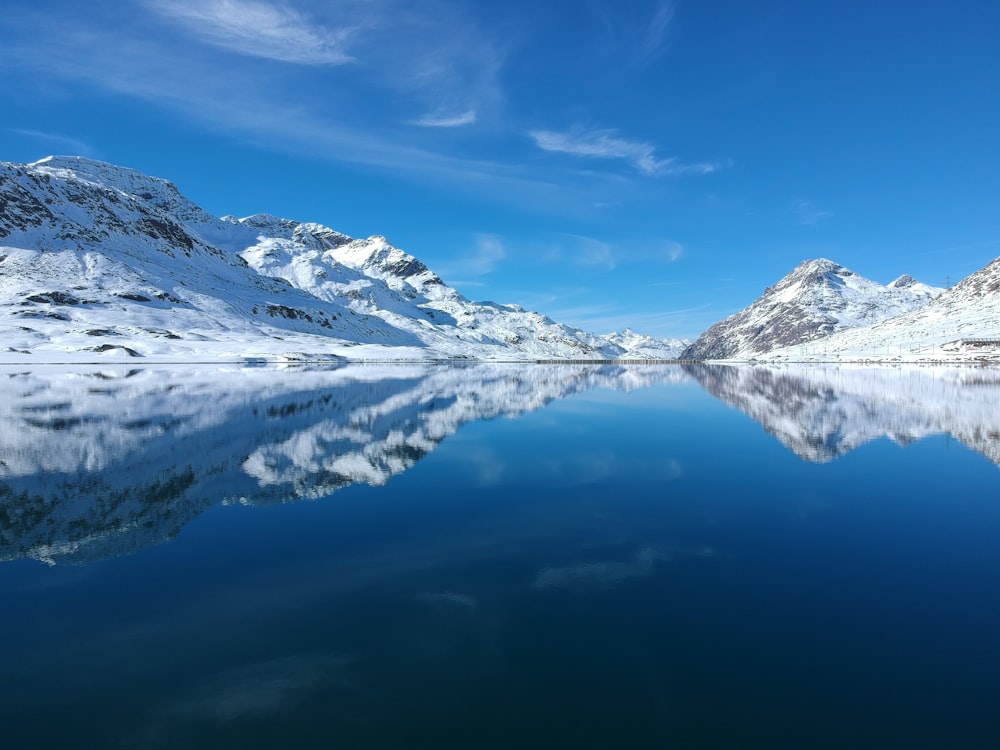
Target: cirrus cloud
447,120
607,144
259,29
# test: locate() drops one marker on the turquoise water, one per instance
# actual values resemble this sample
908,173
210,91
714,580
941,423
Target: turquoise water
500,556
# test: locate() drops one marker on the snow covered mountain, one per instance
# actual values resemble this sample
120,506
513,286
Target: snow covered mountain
823,412
641,346
98,260
962,323
103,462
816,299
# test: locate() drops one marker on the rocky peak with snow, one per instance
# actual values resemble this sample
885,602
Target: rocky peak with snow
817,298
962,322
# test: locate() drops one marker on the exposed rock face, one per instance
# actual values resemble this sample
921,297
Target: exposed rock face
817,298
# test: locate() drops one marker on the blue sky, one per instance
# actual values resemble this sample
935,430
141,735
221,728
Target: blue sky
649,164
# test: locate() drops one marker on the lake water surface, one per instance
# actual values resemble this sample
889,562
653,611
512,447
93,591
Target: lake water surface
500,556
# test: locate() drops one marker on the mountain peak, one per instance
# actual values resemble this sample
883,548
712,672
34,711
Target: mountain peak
903,282
818,269
817,298
818,264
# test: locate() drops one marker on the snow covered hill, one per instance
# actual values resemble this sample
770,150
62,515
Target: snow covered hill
101,261
816,299
963,323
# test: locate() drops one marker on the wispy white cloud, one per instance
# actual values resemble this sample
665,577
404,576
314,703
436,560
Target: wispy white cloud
582,251
592,252
258,109
489,252
607,144
807,214
275,106
656,31
259,29
441,69
71,146
437,59
447,121
486,253
634,32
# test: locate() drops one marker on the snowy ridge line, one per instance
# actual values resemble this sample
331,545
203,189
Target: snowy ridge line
99,262
102,263
816,299
823,312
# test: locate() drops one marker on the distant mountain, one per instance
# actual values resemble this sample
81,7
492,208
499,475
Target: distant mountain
641,346
101,261
818,298
962,323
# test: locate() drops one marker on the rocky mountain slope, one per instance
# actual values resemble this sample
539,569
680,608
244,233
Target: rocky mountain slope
962,323
101,261
817,298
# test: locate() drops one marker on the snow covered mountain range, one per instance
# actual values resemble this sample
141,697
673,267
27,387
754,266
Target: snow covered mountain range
101,261
962,323
823,312
818,298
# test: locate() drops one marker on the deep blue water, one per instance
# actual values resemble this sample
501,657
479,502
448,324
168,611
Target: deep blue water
618,564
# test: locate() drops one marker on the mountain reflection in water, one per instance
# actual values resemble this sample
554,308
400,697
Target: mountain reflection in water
101,463
821,413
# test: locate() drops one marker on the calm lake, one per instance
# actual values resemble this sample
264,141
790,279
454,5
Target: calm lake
500,556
